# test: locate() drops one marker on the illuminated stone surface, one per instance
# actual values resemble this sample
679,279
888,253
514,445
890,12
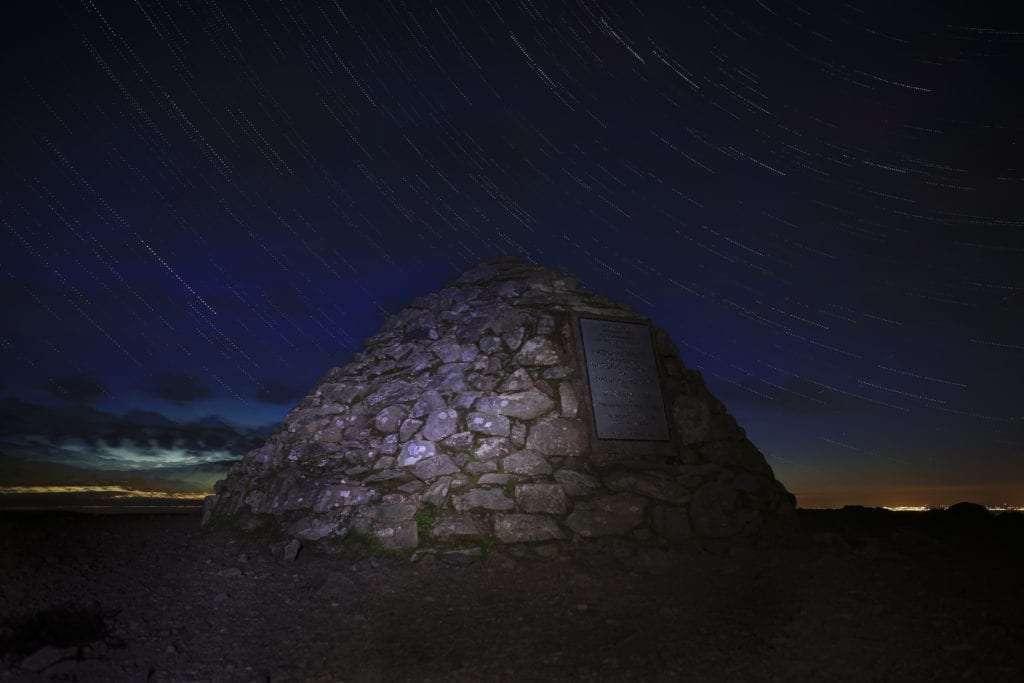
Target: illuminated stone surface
472,416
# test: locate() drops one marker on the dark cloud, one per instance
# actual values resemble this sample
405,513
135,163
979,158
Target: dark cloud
85,437
177,388
278,393
80,389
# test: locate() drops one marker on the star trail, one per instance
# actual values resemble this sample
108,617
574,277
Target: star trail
206,205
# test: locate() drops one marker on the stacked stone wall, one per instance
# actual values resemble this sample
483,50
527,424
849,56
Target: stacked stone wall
463,424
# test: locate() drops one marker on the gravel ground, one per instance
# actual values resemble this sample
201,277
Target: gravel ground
150,597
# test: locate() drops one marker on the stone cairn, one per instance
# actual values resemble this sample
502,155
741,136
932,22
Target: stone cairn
464,424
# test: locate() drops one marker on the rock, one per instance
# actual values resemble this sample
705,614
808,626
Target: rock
712,511
524,405
536,351
522,528
691,418
395,391
513,338
488,499
390,419
526,462
481,467
397,536
408,429
452,524
648,485
567,399
484,423
429,402
558,436
493,447
460,441
607,515
518,435
462,557
440,424
671,523
432,468
47,656
519,380
437,492
495,355
209,505
576,483
334,497
290,552
541,498
414,451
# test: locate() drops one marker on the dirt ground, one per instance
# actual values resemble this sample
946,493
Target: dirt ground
150,597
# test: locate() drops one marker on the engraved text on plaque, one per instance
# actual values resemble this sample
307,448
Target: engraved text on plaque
624,387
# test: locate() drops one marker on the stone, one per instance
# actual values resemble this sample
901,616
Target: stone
650,486
440,423
525,462
46,656
334,497
547,498
567,399
460,441
577,483
430,401
523,528
469,405
537,351
395,391
313,528
671,523
712,511
524,405
465,400
513,338
493,447
408,429
394,512
558,436
397,536
519,380
452,524
437,492
414,451
488,499
518,435
489,344
291,550
432,468
485,423
481,467
691,418
607,515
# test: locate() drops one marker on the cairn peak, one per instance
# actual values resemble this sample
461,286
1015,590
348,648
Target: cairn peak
509,407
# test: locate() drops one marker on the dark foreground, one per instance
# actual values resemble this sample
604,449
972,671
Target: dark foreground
858,597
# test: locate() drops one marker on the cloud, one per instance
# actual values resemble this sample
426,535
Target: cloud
82,436
177,388
80,388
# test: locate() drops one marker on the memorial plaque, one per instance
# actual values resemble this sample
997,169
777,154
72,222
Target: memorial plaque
625,390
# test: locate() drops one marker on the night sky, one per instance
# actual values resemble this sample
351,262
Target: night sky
206,205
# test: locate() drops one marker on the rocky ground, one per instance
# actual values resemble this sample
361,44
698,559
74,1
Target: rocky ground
856,597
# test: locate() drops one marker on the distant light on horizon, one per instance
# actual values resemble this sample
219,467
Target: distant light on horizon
113,492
